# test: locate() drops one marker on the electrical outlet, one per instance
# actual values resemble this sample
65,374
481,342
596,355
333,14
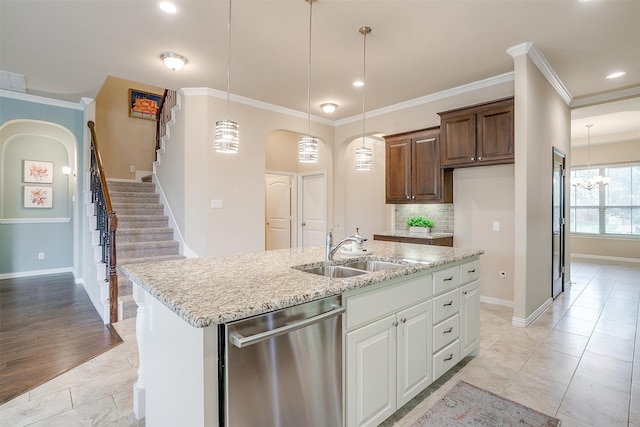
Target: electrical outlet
132,168
502,274
40,255
216,204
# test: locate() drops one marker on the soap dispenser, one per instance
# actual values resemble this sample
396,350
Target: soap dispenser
357,246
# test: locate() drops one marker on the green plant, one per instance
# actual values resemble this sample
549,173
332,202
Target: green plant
420,221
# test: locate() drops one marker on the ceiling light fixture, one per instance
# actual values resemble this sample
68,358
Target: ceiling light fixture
591,182
307,144
173,61
364,155
168,7
616,75
329,107
227,136
358,83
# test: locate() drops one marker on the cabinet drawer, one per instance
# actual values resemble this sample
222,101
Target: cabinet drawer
446,279
368,306
469,271
445,359
446,332
446,306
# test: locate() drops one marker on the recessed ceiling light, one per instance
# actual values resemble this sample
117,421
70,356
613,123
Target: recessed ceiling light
168,7
616,75
358,83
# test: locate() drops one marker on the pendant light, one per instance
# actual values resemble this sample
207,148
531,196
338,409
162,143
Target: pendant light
227,132
364,155
307,144
591,182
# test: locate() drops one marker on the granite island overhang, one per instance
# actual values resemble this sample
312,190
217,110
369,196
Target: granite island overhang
209,291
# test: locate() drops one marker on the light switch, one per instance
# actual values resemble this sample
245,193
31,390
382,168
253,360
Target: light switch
496,225
216,204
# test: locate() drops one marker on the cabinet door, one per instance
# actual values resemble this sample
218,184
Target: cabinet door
398,170
495,134
371,373
469,318
414,351
427,173
458,133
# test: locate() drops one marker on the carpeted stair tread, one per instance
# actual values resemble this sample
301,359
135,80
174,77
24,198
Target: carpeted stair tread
138,208
151,234
149,259
130,186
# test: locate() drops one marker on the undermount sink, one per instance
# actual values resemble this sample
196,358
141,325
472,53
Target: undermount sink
334,271
354,268
372,265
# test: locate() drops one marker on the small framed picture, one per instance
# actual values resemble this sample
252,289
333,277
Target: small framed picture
143,105
36,171
38,196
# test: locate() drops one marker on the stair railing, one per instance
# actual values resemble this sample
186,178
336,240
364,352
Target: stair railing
106,224
163,116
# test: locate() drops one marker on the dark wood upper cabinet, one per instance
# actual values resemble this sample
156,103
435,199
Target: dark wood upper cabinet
413,169
478,135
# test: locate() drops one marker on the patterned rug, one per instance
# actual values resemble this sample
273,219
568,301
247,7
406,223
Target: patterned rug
468,405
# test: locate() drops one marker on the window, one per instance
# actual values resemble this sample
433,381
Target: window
612,209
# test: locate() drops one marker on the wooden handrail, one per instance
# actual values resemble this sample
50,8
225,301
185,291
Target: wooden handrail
107,222
164,115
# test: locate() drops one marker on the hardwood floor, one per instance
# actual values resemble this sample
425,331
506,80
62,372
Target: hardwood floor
48,325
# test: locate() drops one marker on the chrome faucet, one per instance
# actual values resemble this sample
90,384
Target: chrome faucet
331,250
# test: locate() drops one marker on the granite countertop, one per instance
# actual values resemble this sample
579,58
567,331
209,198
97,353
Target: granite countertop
405,233
214,290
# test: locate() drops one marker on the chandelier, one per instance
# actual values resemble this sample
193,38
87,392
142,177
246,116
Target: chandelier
592,181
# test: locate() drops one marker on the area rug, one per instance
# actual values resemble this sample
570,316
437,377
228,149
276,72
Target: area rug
468,405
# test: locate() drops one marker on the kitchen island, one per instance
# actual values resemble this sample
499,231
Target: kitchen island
182,302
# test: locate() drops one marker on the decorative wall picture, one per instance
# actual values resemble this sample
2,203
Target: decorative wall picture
38,197
143,105
40,172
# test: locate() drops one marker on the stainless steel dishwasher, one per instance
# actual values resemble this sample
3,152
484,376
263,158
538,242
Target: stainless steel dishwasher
283,368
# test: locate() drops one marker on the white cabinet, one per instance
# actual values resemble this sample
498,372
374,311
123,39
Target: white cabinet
388,361
469,318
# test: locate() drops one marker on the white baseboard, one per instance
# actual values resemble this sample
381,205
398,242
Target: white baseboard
496,301
606,258
523,323
35,273
184,248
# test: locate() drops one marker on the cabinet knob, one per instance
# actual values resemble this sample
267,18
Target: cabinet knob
473,159
479,158
395,323
413,197
408,197
403,320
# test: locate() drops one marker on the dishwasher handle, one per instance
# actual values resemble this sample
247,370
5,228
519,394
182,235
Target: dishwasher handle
242,341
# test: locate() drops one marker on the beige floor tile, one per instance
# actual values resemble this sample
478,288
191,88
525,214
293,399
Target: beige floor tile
485,373
114,383
568,421
535,392
595,404
100,413
634,409
612,328
620,315
605,371
565,342
33,411
19,400
552,365
615,347
576,326
588,302
584,312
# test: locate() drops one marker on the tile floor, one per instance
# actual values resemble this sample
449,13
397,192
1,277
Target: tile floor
577,362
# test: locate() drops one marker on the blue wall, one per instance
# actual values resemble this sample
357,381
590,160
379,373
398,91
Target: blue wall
21,243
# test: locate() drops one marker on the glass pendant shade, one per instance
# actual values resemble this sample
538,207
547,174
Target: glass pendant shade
364,158
227,136
592,181
307,149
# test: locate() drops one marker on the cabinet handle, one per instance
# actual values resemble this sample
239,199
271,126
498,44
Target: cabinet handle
472,271
449,357
479,158
413,197
395,324
403,320
448,279
465,292
448,303
473,159
408,197
448,331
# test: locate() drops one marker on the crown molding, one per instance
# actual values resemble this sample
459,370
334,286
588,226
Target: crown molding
215,93
530,49
618,95
42,100
469,87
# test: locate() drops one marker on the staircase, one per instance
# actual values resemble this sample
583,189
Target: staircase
143,234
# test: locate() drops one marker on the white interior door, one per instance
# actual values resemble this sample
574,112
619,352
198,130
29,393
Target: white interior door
312,210
278,211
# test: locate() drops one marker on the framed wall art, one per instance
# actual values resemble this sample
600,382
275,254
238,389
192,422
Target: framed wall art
38,172
38,196
143,105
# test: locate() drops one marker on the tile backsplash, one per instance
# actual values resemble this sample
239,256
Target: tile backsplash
441,215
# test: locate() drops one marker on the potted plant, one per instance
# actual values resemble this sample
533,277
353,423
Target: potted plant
419,225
